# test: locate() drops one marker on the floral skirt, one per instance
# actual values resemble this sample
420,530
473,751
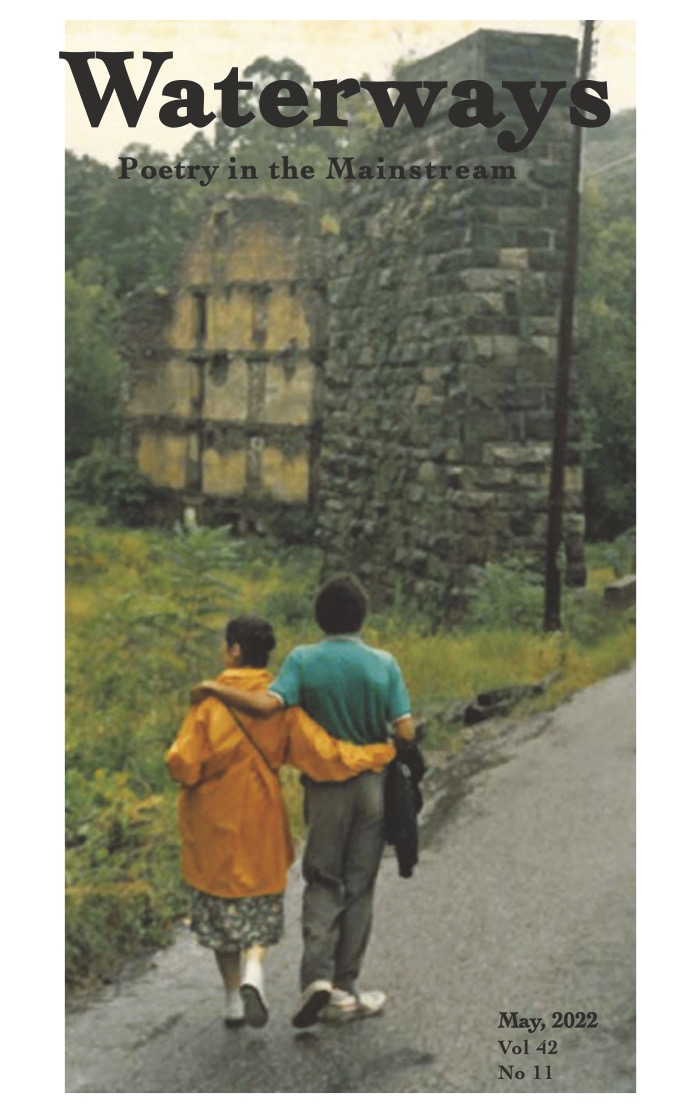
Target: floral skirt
232,924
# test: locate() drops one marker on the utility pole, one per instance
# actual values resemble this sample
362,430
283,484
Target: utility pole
551,617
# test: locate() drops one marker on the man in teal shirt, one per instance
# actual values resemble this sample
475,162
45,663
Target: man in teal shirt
352,690
356,693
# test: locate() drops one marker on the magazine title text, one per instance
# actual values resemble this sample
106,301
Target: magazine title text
284,104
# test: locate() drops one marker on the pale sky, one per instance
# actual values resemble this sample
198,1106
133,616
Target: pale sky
205,51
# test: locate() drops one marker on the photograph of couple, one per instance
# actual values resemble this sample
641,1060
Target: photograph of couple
350,560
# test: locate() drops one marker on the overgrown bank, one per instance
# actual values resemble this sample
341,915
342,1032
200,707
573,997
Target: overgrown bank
145,613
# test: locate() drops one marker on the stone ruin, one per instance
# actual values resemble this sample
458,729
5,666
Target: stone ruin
396,379
225,371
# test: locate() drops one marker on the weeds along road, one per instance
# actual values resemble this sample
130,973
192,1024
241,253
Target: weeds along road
522,907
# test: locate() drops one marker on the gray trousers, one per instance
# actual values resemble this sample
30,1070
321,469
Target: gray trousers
342,856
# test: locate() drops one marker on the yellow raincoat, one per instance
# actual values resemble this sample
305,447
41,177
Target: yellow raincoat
236,839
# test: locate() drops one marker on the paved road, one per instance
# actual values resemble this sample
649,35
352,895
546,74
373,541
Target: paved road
523,902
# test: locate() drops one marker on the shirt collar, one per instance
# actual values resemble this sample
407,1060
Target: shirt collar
351,637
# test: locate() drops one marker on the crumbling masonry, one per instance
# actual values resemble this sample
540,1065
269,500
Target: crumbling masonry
225,371
422,440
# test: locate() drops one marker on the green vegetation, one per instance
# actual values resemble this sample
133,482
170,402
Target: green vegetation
123,242
93,367
145,612
607,330
145,609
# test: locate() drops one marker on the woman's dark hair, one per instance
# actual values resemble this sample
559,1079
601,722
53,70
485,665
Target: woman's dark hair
255,637
341,605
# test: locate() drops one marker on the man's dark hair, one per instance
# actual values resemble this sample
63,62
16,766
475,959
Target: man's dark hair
341,605
254,635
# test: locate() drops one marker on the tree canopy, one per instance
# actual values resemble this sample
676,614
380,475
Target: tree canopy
126,237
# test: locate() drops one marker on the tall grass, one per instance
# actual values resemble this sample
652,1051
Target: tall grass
145,616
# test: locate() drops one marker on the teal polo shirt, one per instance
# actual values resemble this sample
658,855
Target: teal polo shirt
353,690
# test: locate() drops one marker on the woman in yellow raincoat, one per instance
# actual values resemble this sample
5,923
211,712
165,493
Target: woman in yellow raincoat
236,840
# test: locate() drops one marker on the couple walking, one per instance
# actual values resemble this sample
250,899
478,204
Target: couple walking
328,712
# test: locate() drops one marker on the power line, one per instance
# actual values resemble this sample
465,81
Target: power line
607,166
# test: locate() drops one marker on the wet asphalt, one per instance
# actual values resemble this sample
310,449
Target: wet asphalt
519,917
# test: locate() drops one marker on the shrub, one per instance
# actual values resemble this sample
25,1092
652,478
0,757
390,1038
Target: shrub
619,554
122,882
114,488
103,924
506,594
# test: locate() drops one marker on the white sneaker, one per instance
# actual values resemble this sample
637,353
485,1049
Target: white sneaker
235,1014
254,1005
252,994
344,1006
312,1002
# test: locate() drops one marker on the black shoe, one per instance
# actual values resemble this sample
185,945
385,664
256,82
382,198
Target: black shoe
254,1006
314,998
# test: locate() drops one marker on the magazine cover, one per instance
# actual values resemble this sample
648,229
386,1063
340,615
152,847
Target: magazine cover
350,553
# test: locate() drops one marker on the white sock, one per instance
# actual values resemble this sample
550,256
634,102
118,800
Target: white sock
234,1004
253,974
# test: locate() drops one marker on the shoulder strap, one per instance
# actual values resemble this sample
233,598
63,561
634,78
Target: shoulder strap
249,737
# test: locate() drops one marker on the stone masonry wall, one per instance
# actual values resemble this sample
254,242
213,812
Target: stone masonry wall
225,369
444,300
